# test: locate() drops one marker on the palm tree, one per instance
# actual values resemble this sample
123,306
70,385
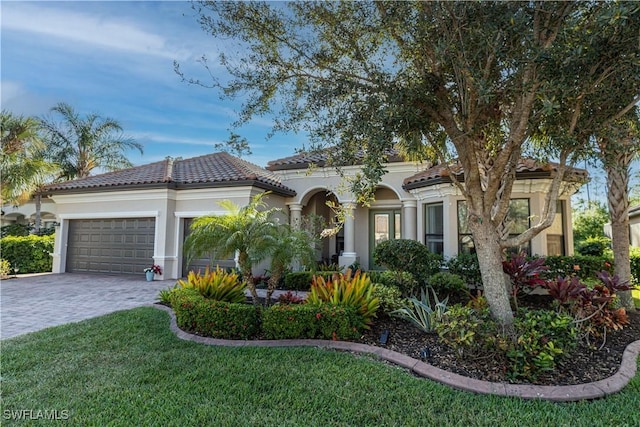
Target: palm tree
80,144
250,231
618,146
291,246
23,169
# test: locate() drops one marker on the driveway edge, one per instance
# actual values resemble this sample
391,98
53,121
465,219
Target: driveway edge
568,393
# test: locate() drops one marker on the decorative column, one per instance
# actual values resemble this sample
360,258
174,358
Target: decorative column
408,221
295,215
349,255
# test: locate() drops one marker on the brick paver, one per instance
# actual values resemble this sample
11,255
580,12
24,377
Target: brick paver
32,302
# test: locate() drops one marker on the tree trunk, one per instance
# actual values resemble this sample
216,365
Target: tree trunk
276,274
487,244
618,198
37,220
247,275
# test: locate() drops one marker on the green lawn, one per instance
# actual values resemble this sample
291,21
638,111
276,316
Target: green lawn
127,368
636,296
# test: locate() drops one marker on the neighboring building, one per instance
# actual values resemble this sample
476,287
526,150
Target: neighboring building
26,214
634,226
120,222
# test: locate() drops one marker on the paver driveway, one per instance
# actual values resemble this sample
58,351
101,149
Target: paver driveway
32,302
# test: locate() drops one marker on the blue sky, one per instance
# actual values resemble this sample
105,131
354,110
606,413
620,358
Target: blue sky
116,59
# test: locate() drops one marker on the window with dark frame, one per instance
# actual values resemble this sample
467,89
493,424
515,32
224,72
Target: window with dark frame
434,228
518,220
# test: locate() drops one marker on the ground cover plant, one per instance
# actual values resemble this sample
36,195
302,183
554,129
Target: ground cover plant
127,367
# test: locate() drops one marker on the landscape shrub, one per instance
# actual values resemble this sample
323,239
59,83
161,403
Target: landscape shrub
348,289
15,230
290,298
468,331
594,307
218,285
467,267
310,321
543,337
584,267
301,280
5,268
421,313
408,255
216,319
31,254
402,280
524,274
593,246
390,298
634,255
449,284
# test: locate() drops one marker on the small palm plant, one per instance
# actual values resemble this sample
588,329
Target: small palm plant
292,245
250,231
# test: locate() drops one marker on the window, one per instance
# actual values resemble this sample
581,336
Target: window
434,228
517,221
384,225
555,233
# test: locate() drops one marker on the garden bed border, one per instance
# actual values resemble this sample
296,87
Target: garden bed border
566,393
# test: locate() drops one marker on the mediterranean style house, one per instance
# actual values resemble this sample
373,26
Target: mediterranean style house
122,222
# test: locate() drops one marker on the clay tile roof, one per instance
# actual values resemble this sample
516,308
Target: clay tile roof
526,168
304,159
211,170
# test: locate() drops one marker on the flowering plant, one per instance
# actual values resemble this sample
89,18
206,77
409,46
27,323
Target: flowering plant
155,268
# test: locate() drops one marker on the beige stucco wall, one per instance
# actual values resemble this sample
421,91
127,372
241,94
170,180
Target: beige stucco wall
25,213
390,195
634,227
168,207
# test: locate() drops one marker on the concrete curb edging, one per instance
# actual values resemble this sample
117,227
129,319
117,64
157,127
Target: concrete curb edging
568,393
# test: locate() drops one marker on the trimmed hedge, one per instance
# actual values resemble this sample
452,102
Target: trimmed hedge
408,255
584,267
301,280
634,255
310,321
211,318
29,253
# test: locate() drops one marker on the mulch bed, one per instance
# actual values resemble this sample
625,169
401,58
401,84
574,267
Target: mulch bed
585,364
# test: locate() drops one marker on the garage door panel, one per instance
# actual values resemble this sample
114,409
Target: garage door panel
201,263
110,245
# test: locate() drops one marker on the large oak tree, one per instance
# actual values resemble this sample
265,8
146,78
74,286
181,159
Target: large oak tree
472,81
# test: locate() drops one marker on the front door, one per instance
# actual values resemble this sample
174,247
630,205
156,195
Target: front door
383,225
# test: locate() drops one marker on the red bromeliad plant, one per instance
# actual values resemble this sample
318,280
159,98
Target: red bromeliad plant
592,308
524,273
565,289
290,298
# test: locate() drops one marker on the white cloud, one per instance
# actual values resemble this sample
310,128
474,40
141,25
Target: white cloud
169,139
17,99
89,29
